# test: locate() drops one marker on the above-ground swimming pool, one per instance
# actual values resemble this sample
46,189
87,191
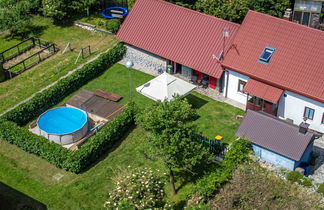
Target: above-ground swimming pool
63,125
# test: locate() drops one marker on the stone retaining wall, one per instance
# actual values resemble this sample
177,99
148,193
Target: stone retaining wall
144,61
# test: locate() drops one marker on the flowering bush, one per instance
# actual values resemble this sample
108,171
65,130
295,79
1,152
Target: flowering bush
140,189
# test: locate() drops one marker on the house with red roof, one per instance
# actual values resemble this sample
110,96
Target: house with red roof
266,63
158,34
277,66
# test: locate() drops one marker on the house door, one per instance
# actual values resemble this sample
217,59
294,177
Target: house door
257,104
186,72
178,68
254,103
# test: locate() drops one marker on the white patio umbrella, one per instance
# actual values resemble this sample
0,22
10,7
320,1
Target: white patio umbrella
165,87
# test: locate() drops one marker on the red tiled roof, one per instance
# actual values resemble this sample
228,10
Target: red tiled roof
297,64
177,33
264,91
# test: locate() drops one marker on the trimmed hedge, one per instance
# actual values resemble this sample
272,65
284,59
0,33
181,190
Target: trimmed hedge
222,173
91,150
52,96
74,161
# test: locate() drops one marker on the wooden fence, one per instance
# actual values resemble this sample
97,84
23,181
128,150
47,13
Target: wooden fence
31,61
47,49
215,146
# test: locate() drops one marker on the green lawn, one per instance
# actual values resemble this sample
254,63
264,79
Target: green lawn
33,176
24,85
215,118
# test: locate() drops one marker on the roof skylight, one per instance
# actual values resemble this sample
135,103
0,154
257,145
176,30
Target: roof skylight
266,55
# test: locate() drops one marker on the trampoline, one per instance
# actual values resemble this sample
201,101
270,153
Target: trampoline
63,125
114,12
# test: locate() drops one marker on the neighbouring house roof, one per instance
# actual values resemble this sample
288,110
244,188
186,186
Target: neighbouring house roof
165,87
262,90
297,63
274,134
178,34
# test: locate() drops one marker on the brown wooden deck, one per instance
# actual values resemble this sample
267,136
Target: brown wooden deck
93,104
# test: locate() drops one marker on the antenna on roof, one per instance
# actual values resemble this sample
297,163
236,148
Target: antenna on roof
226,33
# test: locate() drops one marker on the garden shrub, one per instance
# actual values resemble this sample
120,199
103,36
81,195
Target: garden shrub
130,4
307,182
294,176
50,97
220,174
140,189
113,25
320,188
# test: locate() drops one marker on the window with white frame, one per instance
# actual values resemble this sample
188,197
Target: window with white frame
241,85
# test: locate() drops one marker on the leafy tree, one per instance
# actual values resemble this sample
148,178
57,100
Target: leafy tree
130,4
232,10
173,136
14,15
271,7
56,9
35,5
81,5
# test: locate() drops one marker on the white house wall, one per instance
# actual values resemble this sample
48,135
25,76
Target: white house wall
233,81
292,106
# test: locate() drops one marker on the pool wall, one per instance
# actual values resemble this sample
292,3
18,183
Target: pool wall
68,138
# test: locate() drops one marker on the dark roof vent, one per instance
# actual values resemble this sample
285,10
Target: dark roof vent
303,127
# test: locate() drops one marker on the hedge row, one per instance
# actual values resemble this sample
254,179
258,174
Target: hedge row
52,96
74,161
222,173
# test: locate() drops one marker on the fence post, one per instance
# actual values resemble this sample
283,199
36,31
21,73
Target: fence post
2,72
24,65
39,58
82,52
33,40
39,42
89,50
18,49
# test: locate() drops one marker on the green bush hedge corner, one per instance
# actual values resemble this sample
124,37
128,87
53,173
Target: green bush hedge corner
321,188
74,161
238,153
294,176
113,25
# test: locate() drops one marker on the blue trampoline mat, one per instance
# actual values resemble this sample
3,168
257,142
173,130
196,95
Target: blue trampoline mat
62,120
